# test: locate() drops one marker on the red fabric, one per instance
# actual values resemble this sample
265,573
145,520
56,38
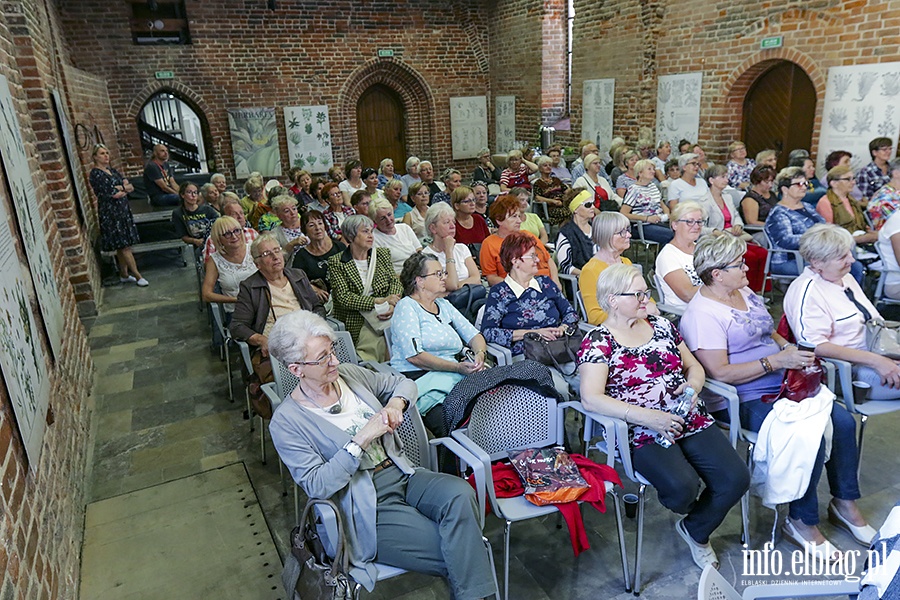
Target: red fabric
784,330
755,257
508,484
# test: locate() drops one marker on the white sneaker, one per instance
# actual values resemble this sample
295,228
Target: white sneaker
703,554
142,282
129,279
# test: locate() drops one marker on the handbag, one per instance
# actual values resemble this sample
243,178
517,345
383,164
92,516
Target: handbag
799,384
321,578
881,338
371,316
563,349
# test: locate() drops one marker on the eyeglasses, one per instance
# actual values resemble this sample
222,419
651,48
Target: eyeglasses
641,296
232,233
801,183
440,274
694,163
625,232
191,192
531,257
740,265
851,178
467,201
692,222
317,363
268,253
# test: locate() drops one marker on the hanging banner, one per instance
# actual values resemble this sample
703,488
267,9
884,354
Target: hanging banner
468,126
597,112
308,138
678,107
505,123
254,142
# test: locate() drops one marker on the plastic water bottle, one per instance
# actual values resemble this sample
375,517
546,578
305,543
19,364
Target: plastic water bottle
682,408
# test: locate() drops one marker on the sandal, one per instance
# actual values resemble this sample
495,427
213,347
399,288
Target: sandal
824,553
862,534
703,554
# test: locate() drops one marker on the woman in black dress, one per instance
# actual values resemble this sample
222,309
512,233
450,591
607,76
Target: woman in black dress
117,230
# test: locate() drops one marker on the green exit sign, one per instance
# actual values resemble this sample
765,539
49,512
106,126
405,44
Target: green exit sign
385,53
772,42
165,74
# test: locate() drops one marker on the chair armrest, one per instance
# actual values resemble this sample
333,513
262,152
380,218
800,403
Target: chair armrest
586,328
729,392
752,228
335,324
845,375
501,354
245,354
590,418
480,461
470,459
271,393
382,368
571,281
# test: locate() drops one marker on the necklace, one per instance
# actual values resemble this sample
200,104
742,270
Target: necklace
334,409
728,300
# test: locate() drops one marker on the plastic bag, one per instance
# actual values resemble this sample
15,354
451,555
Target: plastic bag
549,475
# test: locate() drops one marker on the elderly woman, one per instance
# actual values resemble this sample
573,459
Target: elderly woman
399,238
530,221
789,219
574,247
611,234
191,219
353,172
618,162
690,186
505,212
428,334
360,202
524,301
274,291
452,179
596,183
290,230
486,171
412,174
210,195
886,200
480,189
753,359
228,266
463,279
421,199
386,173
117,229
739,166
218,180
255,203
627,177
549,189
393,192
643,203
678,282
363,280
827,309
231,207
426,173
471,227
768,158
663,153
837,207
336,212
313,258
516,172
336,432
558,166
759,199
336,174
634,367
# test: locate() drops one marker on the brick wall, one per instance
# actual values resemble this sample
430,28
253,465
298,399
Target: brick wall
42,505
244,55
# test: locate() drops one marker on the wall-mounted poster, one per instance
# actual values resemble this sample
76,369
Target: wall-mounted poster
254,142
597,112
308,137
12,151
81,194
468,126
862,102
678,107
505,122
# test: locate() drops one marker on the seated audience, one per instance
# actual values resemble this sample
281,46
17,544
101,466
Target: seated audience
877,173
426,174
452,180
530,221
302,181
399,238
506,214
421,199
209,195
753,359
159,179
471,228
549,190
592,180
353,180
558,166
290,230
627,178
228,266
524,301
678,282
585,147
789,219
486,171
573,245
193,221
690,186
313,257
889,246
386,173
269,221
643,203
759,199
635,367
337,434
255,203
412,174
826,308
479,188
231,207
701,158
361,277
463,279
516,172
427,335
360,202
336,174
839,208
315,190
393,192
739,166
663,153
336,212
611,234
218,180
886,200
767,158
370,179
617,165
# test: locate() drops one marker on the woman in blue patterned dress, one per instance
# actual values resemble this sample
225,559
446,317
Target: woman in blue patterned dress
117,230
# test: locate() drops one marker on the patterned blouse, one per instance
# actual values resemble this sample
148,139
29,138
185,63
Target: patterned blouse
332,225
504,312
519,179
883,204
784,226
644,376
738,174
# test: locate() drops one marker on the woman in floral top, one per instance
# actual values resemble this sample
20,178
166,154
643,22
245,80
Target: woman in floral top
635,367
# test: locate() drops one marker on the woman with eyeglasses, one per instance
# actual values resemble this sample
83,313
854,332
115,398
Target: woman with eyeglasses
337,433
611,234
739,166
313,258
574,246
635,367
690,186
463,280
273,291
549,189
731,333
524,301
229,265
471,227
255,203
290,230
336,212
838,207
678,282
429,336
193,221
420,196
788,220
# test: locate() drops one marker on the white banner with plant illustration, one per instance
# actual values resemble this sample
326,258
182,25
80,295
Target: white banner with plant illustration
308,137
254,141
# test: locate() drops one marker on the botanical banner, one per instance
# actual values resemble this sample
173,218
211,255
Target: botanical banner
308,137
468,126
505,122
254,142
597,112
678,107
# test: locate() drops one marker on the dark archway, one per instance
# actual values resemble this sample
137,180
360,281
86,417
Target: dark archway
381,127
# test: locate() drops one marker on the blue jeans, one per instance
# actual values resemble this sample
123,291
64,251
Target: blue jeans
660,234
878,391
840,468
166,200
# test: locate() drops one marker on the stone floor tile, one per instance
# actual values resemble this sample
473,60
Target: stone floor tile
111,384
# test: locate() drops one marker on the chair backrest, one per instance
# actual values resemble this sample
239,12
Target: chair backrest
415,439
285,381
219,319
511,417
713,586
387,338
344,349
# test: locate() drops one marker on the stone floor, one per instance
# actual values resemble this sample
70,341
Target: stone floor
161,412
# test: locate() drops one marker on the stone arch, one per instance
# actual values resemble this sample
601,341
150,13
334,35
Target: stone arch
414,92
729,104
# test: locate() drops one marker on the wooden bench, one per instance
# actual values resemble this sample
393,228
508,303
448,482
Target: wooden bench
159,246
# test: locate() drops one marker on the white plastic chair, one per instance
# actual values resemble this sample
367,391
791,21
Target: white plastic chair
515,417
793,255
219,323
661,305
882,277
713,586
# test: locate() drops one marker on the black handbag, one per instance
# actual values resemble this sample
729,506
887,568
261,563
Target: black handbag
563,349
321,578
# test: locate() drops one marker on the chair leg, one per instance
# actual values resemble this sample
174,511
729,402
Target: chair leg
296,505
620,530
281,477
249,408
640,541
506,527
228,370
490,552
859,444
262,439
745,504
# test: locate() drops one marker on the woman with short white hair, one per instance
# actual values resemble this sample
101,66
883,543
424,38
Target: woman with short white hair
412,174
289,232
386,173
690,186
516,173
463,276
399,238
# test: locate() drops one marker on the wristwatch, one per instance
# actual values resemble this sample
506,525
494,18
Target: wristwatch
354,449
451,261
405,401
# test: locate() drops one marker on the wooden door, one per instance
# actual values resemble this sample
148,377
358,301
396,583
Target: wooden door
380,126
779,110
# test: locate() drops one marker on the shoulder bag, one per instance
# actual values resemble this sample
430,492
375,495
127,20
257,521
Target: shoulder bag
552,353
371,316
321,578
882,338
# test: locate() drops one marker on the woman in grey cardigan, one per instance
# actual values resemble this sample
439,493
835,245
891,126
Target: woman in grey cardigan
336,432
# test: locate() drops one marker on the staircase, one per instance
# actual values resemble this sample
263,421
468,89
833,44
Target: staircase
184,153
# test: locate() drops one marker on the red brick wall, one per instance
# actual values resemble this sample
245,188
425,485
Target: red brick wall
42,505
244,55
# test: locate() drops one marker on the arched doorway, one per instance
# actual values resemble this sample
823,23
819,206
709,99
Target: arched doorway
381,127
779,111
167,119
